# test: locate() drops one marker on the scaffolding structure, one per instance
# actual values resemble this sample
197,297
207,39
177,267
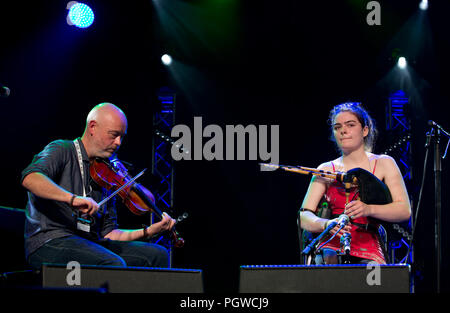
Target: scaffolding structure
162,165
398,127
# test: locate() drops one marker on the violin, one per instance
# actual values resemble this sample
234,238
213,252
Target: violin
138,199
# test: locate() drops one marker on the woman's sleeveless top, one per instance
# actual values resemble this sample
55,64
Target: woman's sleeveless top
364,243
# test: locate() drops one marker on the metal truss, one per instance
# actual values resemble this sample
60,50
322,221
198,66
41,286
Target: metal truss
162,165
398,127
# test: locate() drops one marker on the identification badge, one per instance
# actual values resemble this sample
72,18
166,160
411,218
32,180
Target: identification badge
84,225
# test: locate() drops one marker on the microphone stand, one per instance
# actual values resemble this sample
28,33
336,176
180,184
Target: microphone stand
312,244
345,240
435,134
437,207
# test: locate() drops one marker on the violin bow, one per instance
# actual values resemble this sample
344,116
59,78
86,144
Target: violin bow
121,188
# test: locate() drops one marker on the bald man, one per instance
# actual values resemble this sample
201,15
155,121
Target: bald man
63,220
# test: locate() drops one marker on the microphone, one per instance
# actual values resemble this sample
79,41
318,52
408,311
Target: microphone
4,91
345,242
434,124
343,220
437,126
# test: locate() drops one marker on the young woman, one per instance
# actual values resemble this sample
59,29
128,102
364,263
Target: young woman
354,133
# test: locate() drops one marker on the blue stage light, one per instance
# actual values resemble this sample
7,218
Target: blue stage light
80,15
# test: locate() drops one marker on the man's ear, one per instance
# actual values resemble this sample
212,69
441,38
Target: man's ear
91,127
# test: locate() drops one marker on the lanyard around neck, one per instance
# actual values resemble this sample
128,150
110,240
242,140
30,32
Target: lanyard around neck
80,163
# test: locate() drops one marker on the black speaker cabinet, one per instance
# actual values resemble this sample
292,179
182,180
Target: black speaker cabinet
123,280
325,278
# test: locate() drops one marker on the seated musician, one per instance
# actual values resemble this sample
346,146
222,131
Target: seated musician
354,133
63,220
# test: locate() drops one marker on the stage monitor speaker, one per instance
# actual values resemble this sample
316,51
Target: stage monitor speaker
123,280
325,278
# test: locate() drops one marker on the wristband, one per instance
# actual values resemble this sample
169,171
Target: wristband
144,228
71,200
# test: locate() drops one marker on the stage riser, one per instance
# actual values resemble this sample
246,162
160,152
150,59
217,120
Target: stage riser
325,279
124,280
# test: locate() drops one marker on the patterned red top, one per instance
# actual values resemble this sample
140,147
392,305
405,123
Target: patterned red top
364,243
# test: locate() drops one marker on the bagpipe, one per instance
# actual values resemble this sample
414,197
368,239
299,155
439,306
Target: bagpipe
370,190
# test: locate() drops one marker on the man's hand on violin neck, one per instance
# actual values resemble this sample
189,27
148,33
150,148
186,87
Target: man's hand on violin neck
166,223
85,205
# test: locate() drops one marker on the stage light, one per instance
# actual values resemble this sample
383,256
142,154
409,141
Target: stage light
401,63
166,59
80,14
423,4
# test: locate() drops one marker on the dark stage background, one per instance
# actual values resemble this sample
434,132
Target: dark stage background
262,62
